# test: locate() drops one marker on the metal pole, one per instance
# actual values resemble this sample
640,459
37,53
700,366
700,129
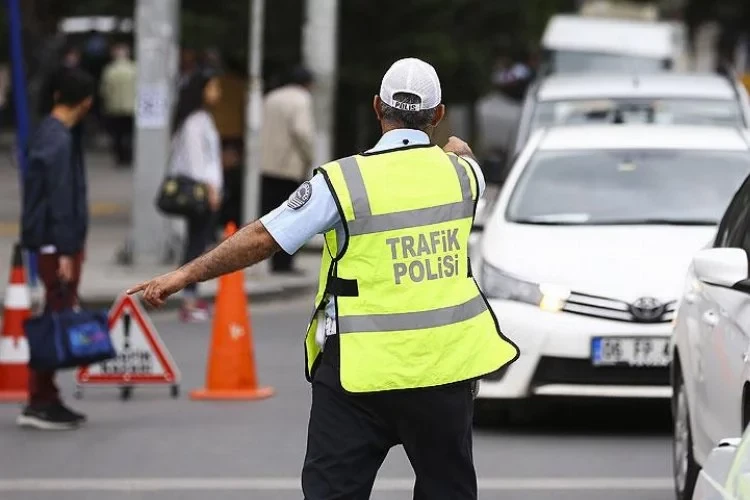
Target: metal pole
21,103
253,113
320,49
156,39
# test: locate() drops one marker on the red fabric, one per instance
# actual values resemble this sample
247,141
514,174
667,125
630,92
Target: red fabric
42,387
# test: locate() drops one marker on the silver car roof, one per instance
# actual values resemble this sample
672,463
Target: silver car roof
648,86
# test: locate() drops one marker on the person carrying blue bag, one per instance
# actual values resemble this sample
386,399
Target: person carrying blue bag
54,223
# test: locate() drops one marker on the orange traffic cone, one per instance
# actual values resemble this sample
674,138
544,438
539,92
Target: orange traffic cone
231,373
14,350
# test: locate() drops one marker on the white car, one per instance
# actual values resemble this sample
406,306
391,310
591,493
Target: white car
671,98
726,475
710,371
584,254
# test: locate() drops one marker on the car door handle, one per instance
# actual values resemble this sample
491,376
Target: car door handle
710,318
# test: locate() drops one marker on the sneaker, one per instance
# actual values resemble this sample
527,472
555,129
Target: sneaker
193,315
48,418
203,305
79,417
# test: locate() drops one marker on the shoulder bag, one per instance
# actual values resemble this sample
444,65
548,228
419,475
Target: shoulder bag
68,338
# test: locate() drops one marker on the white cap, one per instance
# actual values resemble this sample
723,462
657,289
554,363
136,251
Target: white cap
411,76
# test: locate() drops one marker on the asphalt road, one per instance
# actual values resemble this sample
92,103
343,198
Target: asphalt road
154,447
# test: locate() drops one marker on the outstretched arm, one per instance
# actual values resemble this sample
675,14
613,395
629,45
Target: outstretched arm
248,246
286,228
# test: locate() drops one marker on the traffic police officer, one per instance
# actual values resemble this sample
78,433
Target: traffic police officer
400,331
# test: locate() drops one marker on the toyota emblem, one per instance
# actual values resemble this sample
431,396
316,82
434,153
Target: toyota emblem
647,309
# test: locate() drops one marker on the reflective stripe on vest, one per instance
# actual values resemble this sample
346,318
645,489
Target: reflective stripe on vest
413,320
409,312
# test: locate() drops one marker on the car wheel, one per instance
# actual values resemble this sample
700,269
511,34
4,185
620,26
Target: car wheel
685,467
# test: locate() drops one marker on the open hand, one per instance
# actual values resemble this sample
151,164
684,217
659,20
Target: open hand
157,290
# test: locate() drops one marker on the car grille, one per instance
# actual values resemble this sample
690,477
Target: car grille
580,371
601,307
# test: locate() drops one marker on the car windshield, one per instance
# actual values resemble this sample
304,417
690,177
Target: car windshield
721,112
568,61
627,187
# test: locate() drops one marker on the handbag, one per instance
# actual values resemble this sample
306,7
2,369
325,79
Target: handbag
182,196
68,338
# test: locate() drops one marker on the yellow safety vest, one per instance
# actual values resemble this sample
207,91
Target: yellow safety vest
409,312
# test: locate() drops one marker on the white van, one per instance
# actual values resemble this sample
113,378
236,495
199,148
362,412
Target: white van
574,44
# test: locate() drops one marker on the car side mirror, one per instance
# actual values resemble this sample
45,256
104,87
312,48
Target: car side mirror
725,267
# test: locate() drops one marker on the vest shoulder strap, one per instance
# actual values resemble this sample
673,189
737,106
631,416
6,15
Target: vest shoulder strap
467,177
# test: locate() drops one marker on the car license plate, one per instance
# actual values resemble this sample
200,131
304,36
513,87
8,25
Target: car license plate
630,351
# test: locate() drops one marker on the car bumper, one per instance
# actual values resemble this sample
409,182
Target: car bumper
556,357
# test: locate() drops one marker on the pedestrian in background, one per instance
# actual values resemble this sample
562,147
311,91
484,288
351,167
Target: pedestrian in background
69,59
117,92
196,153
72,57
287,136
188,67
401,331
55,223
231,206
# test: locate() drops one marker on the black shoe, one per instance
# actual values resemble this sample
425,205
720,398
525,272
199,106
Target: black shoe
48,418
79,417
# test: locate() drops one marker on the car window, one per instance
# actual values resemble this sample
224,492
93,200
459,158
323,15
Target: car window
627,187
722,112
568,61
732,230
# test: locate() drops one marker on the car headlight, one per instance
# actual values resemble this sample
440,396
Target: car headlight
497,284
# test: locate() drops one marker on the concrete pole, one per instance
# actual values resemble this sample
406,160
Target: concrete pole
320,51
156,52
253,113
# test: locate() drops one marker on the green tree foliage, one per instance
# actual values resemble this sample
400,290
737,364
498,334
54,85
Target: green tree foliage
460,37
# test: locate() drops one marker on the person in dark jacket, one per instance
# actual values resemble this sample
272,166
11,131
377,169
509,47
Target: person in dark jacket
55,223
70,58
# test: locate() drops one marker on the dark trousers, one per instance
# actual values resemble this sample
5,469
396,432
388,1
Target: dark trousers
121,130
201,232
276,191
42,388
349,437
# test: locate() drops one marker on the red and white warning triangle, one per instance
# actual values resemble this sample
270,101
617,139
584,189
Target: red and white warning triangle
142,357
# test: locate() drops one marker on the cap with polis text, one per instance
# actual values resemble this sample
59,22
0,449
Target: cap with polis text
411,76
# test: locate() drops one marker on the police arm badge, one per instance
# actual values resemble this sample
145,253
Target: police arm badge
300,197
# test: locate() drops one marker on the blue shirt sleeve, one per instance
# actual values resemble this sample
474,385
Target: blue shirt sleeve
292,228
